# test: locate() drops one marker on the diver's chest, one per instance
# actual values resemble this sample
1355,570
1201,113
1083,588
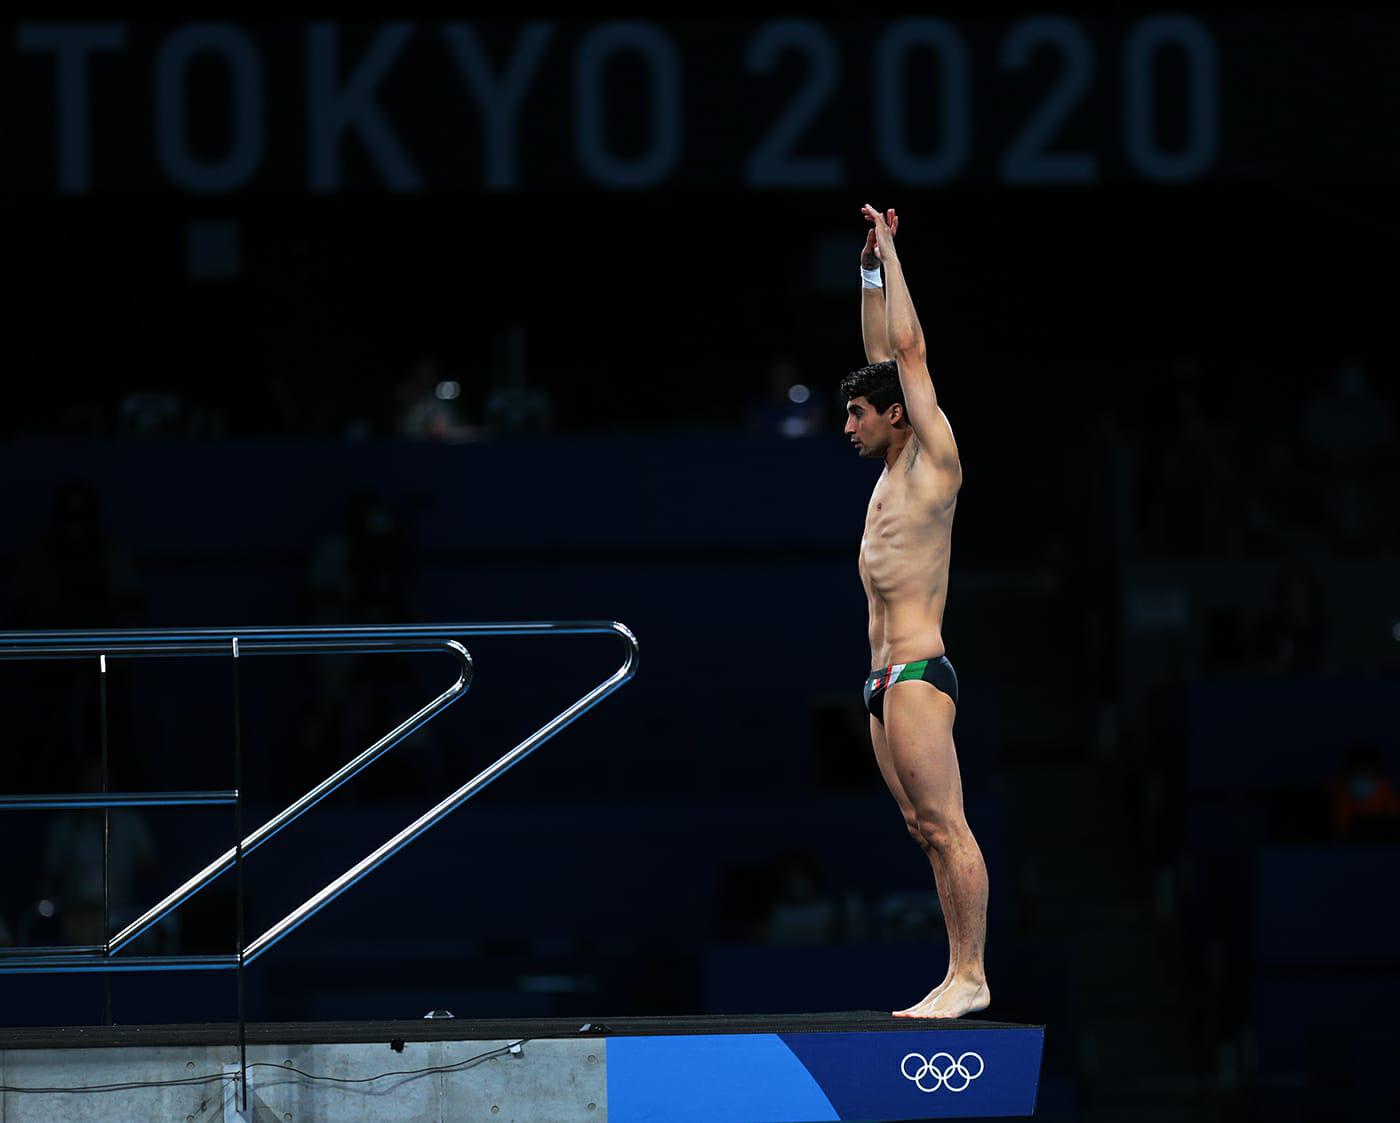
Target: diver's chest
889,506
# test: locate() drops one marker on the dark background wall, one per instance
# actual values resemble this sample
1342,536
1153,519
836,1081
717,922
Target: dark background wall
296,334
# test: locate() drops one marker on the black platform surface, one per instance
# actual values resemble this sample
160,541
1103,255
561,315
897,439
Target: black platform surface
475,1029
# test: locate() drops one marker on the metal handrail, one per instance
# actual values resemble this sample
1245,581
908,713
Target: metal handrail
99,801
61,949
52,964
431,818
285,641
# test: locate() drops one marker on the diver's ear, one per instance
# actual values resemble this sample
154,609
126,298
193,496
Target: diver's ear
896,413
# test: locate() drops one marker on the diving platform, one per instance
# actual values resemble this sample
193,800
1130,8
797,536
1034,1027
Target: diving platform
799,1068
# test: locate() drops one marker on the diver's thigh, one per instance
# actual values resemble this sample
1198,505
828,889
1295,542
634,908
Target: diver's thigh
880,743
919,734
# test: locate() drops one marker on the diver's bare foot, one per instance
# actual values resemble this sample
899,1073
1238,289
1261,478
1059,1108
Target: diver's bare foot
927,1000
961,996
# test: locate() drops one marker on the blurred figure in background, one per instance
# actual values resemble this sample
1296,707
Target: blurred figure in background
71,878
359,574
1193,494
363,574
1292,636
1365,806
430,405
514,406
792,408
75,575
1349,432
802,912
150,414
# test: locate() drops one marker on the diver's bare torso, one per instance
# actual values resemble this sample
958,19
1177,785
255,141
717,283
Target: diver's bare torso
904,555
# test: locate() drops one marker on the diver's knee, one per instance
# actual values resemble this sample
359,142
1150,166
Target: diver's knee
938,830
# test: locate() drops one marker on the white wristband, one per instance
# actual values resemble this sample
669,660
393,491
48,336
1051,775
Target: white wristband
871,279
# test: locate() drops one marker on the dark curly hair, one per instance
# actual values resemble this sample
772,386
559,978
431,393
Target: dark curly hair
878,383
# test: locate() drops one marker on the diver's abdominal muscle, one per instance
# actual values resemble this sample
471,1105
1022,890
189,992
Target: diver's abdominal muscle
903,632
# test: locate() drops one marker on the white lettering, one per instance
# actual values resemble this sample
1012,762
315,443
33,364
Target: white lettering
172,124
72,43
598,48
499,98
334,109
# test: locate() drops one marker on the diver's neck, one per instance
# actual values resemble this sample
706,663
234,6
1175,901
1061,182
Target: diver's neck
896,449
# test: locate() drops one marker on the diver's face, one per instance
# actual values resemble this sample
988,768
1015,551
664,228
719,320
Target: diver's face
867,428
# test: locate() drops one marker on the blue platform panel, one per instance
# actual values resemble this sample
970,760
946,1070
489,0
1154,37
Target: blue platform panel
805,1077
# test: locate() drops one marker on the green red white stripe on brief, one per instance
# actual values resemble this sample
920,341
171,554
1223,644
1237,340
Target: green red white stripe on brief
902,672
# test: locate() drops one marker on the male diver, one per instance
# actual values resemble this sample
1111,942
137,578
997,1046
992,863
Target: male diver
892,414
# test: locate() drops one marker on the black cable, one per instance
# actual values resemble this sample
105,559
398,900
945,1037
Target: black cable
402,1072
193,1080
127,1087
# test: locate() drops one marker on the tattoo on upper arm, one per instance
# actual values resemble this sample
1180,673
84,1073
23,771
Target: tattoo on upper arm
913,455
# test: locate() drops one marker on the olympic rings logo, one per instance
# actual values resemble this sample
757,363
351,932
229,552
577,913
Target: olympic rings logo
943,1077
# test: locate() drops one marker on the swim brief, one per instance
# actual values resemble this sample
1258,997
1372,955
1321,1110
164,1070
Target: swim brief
937,671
